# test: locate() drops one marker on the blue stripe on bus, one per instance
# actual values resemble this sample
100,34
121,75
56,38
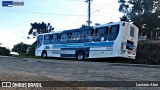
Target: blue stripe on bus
102,44
91,44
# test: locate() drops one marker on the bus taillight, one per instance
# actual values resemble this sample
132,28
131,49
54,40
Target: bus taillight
122,47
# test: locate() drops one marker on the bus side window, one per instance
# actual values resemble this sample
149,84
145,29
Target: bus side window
90,35
69,35
54,39
63,38
47,39
84,36
75,37
100,34
113,33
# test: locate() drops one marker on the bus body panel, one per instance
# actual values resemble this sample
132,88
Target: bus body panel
129,41
123,45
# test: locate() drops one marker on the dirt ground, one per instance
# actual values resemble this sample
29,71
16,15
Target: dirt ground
24,69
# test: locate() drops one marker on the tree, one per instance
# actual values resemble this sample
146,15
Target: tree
124,9
143,12
84,26
124,18
38,28
20,48
4,51
31,49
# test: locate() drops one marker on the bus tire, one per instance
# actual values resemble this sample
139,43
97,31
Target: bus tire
80,56
44,54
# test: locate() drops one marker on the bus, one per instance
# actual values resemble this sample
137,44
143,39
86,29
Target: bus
118,39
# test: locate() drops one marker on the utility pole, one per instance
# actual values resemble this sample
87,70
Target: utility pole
89,12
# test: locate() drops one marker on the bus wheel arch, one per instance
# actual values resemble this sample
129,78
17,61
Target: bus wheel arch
80,55
44,54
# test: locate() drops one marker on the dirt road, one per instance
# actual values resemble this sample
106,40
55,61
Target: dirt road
25,69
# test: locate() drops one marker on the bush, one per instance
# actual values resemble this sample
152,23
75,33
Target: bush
148,52
31,49
4,51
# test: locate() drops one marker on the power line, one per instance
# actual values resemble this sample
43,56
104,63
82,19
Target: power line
80,18
77,7
33,12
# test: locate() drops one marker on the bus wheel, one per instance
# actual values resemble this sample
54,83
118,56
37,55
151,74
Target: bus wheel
80,56
44,54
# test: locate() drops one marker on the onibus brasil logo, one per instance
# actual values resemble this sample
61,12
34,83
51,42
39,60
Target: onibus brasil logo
12,3
21,84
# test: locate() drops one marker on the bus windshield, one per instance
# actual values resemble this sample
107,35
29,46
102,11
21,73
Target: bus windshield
39,41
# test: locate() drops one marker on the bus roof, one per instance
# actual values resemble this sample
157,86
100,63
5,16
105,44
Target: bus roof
71,30
79,29
85,28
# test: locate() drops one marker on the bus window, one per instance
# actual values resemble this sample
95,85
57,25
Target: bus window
63,38
113,33
101,34
129,45
54,39
91,35
47,39
69,35
84,36
131,31
75,37
39,41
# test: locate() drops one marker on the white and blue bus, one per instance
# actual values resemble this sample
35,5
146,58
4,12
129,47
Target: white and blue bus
103,41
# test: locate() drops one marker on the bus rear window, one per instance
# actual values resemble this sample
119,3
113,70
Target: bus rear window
131,31
129,45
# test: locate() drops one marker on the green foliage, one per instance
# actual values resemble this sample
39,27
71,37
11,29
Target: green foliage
38,28
145,47
31,49
4,51
143,12
124,18
145,15
20,48
148,52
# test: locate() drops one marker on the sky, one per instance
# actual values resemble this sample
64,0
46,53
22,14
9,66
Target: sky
62,14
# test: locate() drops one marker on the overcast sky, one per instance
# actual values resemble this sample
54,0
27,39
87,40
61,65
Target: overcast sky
62,14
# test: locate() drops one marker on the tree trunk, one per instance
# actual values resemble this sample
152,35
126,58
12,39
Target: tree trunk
156,35
151,35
